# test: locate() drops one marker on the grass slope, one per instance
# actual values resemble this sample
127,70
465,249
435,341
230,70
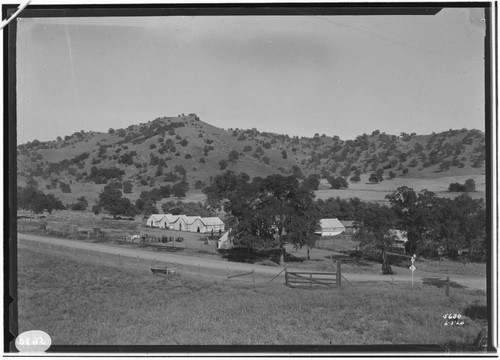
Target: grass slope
79,302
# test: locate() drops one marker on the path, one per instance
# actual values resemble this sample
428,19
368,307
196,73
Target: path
431,278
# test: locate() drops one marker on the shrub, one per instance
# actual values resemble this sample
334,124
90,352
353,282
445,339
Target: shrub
233,155
470,185
127,187
337,182
199,184
355,178
223,164
65,188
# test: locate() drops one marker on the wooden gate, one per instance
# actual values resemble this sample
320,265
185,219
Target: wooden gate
294,278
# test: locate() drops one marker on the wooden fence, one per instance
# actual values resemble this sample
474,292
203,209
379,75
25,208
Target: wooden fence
294,278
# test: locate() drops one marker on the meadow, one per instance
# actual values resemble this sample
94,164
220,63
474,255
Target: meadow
81,302
377,192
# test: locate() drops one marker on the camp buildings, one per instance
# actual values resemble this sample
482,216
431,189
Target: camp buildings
186,223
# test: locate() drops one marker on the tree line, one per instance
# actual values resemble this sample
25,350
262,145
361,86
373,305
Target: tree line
270,212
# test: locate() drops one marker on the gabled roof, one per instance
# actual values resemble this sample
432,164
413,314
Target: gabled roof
171,218
189,219
210,221
156,217
330,223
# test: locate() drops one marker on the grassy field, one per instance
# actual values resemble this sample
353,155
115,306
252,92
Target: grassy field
78,301
376,192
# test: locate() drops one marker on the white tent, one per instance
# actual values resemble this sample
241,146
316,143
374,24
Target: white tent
330,227
213,223
225,242
156,220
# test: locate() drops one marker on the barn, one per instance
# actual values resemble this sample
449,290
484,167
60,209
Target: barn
330,227
156,220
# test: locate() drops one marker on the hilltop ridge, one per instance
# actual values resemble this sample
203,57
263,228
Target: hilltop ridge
170,148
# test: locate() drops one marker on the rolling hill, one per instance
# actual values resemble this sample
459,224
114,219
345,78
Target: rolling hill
164,150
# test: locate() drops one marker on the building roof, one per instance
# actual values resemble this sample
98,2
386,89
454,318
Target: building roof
348,223
330,223
210,221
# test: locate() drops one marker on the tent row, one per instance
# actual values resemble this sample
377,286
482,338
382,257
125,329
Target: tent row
186,223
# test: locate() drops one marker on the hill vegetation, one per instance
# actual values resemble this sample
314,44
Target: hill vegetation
183,154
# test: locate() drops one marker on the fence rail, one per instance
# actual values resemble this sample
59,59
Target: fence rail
293,278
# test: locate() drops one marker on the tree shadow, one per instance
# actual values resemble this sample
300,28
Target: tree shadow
440,283
251,256
477,312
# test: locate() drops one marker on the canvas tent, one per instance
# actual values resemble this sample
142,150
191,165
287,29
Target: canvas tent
156,220
207,225
214,224
184,223
225,242
330,227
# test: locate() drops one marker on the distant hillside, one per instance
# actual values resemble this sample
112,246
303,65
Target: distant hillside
165,150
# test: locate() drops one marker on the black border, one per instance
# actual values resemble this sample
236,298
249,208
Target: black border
11,328
241,9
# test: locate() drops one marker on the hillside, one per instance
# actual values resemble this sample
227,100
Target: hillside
166,149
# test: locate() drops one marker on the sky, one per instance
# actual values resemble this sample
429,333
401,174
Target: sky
296,75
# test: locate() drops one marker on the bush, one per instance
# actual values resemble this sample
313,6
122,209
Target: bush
199,184
456,187
337,182
355,178
233,155
470,185
65,188
223,164
127,187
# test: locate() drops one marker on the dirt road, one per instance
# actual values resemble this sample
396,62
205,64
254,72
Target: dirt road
404,276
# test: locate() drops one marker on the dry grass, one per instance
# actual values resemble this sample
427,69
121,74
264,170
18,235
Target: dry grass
377,192
81,302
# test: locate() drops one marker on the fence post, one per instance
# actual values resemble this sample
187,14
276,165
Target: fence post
310,279
339,274
447,286
286,277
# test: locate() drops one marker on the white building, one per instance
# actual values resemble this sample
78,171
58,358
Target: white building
330,227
